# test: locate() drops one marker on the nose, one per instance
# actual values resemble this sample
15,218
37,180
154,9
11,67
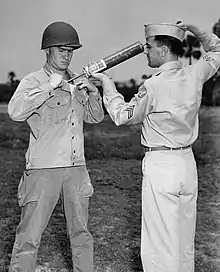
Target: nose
66,55
145,49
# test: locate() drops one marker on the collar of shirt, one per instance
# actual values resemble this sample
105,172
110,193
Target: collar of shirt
169,66
48,71
65,85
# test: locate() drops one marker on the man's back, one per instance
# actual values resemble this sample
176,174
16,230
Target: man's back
177,92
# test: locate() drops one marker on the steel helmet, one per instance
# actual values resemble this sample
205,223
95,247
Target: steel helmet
60,33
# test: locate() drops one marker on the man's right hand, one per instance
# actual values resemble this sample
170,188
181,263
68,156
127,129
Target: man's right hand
182,25
56,80
107,83
198,32
100,76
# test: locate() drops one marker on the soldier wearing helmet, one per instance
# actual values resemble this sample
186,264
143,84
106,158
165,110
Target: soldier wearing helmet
167,106
55,164
60,33
59,41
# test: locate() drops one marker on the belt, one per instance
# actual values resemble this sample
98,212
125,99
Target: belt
159,148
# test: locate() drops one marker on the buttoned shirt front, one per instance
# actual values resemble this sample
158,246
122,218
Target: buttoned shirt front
167,104
55,118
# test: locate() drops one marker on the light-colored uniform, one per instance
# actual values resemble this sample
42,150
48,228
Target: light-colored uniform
167,105
55,165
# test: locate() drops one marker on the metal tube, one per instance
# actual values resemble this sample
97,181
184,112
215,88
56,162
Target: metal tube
123,55
112,60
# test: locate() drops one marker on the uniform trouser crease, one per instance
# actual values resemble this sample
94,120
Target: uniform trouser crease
169,196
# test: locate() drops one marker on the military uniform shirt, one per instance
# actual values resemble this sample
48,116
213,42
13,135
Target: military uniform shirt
168,103
55,118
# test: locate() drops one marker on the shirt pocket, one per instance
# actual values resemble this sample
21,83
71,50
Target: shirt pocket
79,103
56,110
80,97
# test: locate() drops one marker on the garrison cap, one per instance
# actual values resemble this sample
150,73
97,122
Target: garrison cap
164,29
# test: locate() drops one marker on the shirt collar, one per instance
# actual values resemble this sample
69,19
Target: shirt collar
169,66
48,71
65,85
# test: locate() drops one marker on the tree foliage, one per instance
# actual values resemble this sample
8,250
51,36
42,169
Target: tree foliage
216,28
12,81
7,89
213,82
191,48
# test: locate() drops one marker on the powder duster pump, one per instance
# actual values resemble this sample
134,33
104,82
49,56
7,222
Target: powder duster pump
111,60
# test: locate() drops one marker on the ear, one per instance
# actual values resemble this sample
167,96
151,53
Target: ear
46,51
164,50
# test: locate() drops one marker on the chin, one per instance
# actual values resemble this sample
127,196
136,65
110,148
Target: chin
152,65
63,66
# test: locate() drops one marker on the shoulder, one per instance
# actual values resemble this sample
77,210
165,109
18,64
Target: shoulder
154,80
151,82
145,89
39,76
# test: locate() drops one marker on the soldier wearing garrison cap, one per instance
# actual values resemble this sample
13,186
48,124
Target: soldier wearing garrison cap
164,29
167,106
55,164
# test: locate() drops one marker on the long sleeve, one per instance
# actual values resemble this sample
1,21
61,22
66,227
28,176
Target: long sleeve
28,97
94,112
209,64
130,113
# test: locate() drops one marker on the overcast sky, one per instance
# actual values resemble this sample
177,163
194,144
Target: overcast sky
104,26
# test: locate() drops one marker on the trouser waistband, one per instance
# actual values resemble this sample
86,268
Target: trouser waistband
159,148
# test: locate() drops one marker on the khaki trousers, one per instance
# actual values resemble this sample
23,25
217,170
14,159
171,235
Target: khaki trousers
169,196
38,193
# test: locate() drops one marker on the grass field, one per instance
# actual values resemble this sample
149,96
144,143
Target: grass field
114,161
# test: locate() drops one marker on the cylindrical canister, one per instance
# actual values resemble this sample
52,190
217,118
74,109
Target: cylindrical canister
111,60
115,58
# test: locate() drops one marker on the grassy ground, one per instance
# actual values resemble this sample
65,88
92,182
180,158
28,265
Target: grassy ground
114,161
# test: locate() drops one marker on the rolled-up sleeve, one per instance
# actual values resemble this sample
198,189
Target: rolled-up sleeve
28,97
135,111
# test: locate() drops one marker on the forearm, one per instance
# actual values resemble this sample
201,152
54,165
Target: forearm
209,41
114,104
123,113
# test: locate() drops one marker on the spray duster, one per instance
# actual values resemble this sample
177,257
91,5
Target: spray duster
111,60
